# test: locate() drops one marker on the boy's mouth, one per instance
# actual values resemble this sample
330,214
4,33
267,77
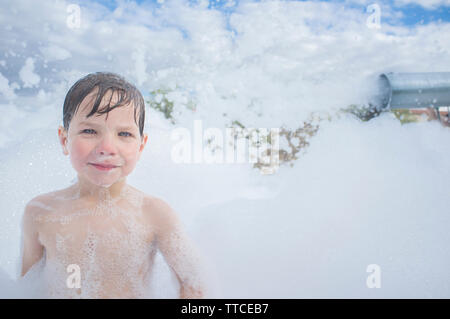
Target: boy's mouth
104,167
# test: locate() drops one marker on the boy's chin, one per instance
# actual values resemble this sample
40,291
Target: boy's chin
104,183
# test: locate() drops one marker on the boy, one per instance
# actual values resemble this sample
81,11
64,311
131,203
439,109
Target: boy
101,228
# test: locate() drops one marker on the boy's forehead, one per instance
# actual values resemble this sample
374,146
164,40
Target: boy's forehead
88,102
123,113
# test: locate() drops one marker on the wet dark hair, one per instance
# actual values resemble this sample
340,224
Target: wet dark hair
104,82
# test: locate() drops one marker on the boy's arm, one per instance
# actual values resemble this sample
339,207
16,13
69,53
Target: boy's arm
178,251
32,250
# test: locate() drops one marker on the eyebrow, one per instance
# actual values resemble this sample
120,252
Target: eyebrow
97,125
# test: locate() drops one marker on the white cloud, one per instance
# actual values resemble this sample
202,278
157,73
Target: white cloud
54,52
5,89
139,56
265,50
271,43
27,75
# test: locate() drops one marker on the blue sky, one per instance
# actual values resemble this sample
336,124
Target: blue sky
413,13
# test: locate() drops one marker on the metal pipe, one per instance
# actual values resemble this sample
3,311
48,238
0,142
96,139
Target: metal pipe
413,90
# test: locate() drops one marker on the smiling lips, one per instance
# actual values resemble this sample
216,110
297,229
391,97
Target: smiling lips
104,167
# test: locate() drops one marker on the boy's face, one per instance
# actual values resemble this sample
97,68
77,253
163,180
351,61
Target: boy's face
101,150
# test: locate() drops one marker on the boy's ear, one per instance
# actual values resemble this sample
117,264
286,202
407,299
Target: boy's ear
143,143
62,134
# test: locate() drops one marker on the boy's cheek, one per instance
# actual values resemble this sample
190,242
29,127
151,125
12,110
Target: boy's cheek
79,152
77,161
131,162
130,155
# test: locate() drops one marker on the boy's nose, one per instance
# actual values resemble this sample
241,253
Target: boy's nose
106,146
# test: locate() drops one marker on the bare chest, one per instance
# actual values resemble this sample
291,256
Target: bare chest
80,234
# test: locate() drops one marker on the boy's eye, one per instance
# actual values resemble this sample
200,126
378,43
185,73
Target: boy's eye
91,131
88,130
129,134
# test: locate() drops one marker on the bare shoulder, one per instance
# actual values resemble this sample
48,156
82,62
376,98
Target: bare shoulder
38,207
160,212
46,203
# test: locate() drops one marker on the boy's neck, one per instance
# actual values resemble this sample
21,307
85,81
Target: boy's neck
87,190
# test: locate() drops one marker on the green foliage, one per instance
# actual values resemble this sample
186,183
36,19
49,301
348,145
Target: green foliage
161,103
363,112
236,122
294,140
405,116
297,140
366,113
